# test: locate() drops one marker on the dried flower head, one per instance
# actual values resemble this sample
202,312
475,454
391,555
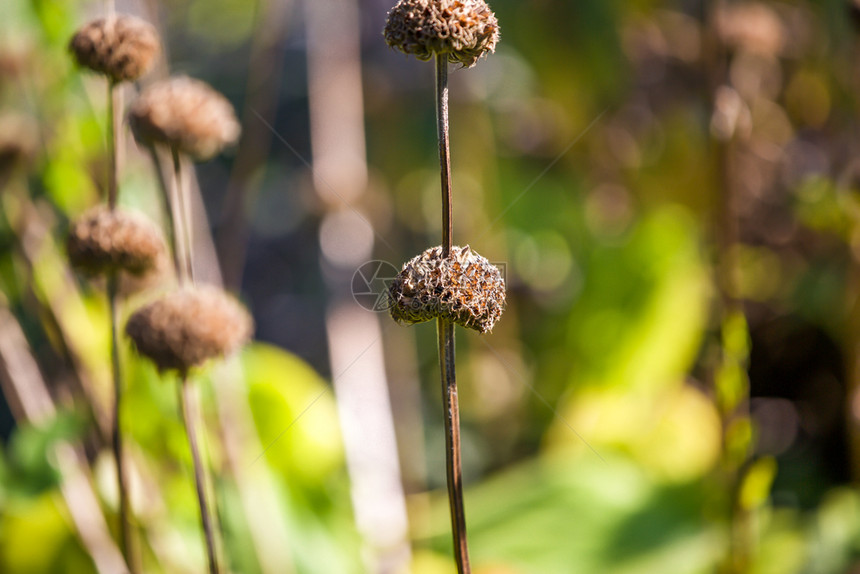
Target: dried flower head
189,326
464,288
121,47
104,240
18,140
465,30
751,27
186,114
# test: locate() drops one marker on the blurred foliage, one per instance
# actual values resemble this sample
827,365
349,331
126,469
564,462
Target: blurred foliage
602,431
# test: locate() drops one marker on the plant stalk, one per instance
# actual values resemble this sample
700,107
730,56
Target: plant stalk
114,104
128,547
187,403
445,333
180,223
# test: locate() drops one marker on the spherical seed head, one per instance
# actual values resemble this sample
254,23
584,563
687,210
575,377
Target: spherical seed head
464,288
104,240
186,114
187,327
121,47
465,30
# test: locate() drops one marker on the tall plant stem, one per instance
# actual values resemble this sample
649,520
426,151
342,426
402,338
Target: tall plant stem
444,150
179,220
189,417
445,333
114,100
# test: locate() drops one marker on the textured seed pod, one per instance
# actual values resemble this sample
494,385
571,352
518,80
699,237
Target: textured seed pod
157,276
186,114
465,30
102,241
464,288
189,326
18,140
751,27
122,47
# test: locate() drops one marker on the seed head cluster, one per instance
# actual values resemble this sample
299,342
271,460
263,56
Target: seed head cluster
189,326
187,115
121,47
465,30
104,240
464,288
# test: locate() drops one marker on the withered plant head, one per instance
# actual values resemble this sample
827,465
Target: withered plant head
121,47
751,27
187,115
464,288
189,326
465,30
103,240
19,138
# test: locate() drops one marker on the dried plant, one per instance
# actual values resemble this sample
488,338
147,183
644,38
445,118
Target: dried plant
441,283
122,48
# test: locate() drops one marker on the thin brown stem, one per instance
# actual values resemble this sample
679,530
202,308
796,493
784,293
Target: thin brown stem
452,444
445,332
187,403
181,248
185,213
128,547
444,150
114,104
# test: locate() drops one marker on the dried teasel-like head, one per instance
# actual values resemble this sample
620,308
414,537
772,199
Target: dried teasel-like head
465,30
187,115
464,288
104,240
121,47
189,326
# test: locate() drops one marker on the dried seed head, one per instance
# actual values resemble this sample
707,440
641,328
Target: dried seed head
104,240
185,114
18,140
189,326
122,47
465,30
751,27
464,288
157,276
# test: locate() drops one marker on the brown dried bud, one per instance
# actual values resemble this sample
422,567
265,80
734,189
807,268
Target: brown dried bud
18,140
464,288
185,114
465,30
188,327
751,27
121,47
104,240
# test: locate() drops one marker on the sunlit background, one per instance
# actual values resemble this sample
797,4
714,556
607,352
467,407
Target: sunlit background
636,169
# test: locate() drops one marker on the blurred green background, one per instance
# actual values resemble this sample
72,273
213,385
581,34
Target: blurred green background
610,154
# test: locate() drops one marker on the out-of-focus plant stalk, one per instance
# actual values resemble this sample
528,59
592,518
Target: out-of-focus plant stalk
188,404
445,334
30,400
729,374
114,101
354,334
